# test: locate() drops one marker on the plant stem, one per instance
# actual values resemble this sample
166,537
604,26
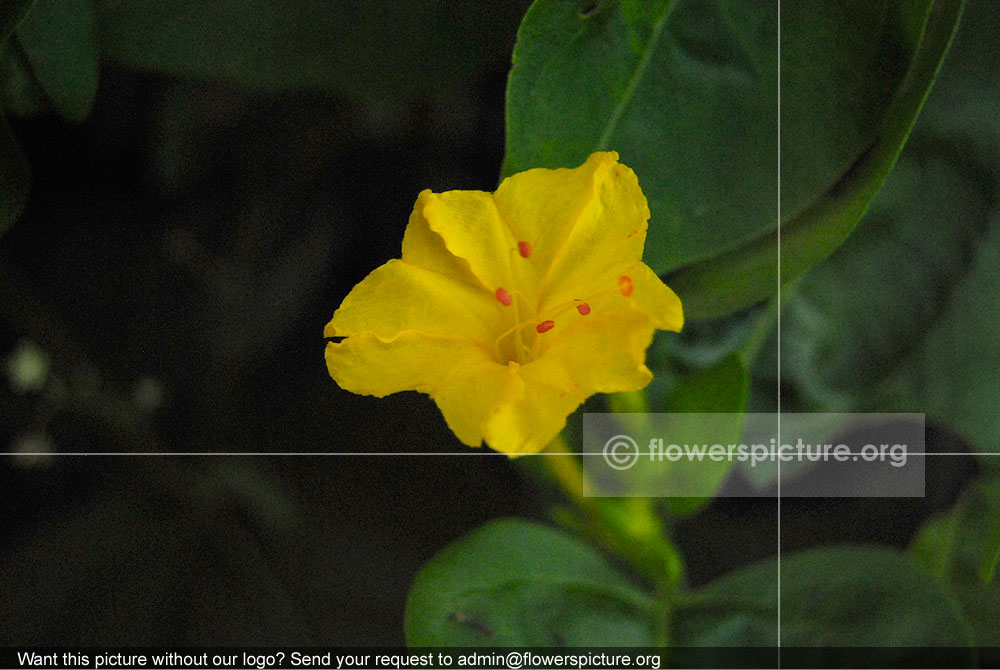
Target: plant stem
627,527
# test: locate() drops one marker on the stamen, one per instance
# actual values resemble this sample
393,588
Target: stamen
524,249
625,285
546,324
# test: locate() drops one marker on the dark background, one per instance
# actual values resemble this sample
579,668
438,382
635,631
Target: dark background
179,256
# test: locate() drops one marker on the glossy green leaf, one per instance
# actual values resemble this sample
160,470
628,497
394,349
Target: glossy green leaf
57,38
962,549
512,583
15,177
834,597
357,50
686,91
812,229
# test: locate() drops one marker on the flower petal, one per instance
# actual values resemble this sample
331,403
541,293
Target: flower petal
469,397
426,249
542,207
655,299
497,404
639,288
646,295
603,354
604,234
521,409
368,365
479,398
399,297
531,415
471,228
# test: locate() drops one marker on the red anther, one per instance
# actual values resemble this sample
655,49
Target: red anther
524,249
625,285
503,296
545,326
583,308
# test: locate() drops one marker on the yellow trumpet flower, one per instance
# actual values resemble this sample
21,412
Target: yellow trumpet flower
510,309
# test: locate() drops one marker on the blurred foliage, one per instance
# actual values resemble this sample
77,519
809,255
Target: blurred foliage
394,48
57,40
14,177
833,597
47,60
918,332
11,13
175,264
962,548
372,53
170,554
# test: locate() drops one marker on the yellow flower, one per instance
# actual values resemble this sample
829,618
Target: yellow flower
509,309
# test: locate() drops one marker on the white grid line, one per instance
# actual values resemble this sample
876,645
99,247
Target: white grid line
778,298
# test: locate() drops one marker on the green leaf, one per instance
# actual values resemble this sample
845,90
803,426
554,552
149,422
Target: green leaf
934,545
834,597
894,264
15,178
962,548
811,230
513,583
720,388
57,38
706,407
686,92
357,50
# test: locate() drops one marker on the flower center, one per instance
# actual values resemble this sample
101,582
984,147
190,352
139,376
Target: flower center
518,344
